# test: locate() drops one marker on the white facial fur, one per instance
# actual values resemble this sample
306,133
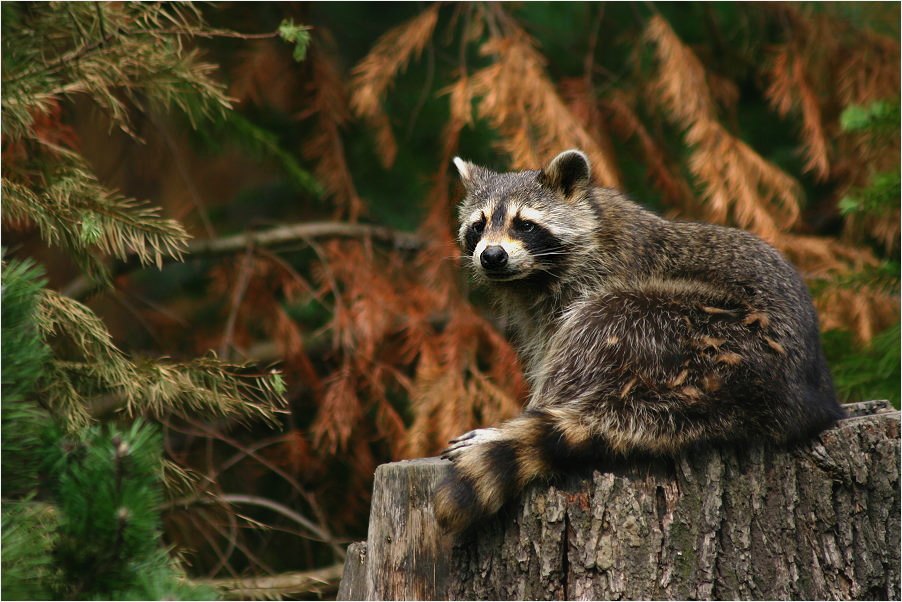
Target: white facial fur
519,261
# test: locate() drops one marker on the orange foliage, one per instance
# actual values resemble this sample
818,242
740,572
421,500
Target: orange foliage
523,105
329,106
405,361
265,75
790,88
374,75
739,185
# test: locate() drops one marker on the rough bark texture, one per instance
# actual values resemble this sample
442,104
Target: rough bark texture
818,522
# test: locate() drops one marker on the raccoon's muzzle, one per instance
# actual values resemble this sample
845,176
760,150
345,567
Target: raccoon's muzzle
493,258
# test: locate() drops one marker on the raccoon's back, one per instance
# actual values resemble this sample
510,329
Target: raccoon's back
709,334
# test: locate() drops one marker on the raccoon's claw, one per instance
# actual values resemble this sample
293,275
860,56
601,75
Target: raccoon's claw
481,434
459,444
463,437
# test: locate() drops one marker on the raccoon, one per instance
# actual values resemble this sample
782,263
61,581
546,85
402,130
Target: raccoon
638,335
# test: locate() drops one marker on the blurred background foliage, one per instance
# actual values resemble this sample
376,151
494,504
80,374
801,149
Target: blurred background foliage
301,155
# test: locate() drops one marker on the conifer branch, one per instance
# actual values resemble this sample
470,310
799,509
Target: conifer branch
374,74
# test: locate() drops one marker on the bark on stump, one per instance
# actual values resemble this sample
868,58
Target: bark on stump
818,522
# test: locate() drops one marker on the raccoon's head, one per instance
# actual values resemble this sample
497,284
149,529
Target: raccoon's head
527,224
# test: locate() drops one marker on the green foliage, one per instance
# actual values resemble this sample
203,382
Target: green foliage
29,571
81,508
232,129
880,197
24,358
73,210
299,35
869,373
95,532
28,528
121,56
97,535
883,277
87,366
881,117
872,371
23,352
106,484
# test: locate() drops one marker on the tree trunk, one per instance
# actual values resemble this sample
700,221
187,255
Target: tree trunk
818,522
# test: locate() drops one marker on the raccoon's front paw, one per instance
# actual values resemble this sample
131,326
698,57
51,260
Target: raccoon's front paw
476,437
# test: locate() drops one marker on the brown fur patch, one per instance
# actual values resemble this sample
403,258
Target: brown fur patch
757,317
711,382
529,466
526,430
729,358
574,430
571,425
679,379
717,310
691,393
612,340
628,387
776,346
710,342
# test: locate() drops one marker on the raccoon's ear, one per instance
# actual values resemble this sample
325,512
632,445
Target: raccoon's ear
567,173
468,172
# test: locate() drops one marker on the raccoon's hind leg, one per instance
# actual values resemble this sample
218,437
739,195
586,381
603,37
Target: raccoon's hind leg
491,466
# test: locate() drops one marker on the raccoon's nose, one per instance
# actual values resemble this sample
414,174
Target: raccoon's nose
493,257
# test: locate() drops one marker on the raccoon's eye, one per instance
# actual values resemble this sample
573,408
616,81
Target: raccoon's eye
479,226
524,225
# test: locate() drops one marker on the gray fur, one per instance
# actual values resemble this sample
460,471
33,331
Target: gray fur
639,335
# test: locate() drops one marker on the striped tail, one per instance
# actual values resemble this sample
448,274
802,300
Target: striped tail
492,466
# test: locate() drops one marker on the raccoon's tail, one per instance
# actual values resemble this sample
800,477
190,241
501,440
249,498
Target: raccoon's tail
492,466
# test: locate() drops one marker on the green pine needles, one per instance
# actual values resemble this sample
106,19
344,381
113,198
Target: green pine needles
81,493
871,371
125,58
106,483
25,357
81,503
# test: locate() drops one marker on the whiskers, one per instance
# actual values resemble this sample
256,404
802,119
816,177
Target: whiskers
456,257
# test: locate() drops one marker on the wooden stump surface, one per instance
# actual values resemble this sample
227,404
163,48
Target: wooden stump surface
821,521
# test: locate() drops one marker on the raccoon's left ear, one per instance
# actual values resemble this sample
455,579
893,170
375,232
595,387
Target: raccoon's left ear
468,172
567,173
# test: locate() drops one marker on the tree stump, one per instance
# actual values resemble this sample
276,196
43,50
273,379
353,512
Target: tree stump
821,521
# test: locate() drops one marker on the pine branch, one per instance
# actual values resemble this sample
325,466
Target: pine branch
87,365
135,61
73,210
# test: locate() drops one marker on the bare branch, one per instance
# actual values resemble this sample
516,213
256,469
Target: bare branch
319,581
306,523
298,232
274,237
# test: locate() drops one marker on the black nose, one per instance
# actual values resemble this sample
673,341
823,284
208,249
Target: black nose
493,257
